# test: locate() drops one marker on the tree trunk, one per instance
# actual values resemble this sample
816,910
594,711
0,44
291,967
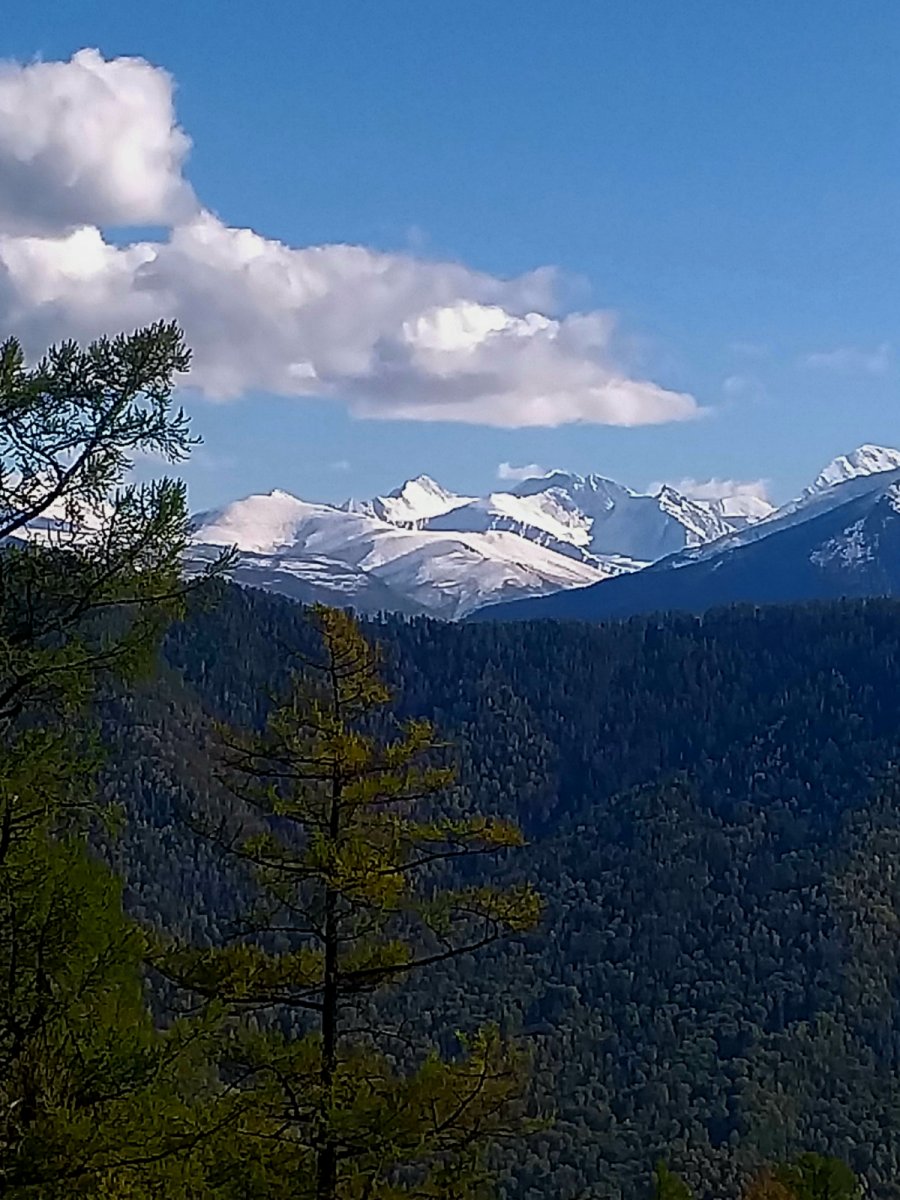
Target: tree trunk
326,1166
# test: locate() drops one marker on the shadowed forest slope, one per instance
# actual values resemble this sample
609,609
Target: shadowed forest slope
713,818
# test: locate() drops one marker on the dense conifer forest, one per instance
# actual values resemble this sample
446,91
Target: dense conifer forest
711,807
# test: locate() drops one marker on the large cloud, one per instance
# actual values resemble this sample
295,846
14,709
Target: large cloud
89,141
391,335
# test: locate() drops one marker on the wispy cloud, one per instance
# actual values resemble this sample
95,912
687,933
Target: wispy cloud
92,143
717,489
754,350
852,359
743,387
511,473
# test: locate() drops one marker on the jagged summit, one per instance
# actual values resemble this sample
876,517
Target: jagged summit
864,460
414,501
421,484
569,481
430,549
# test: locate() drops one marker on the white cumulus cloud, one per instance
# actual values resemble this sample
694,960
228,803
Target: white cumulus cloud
91,143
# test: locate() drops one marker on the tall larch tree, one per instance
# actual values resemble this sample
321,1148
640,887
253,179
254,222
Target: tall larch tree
338,817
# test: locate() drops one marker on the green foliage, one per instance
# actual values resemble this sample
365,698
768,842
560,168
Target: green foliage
341,832
669,1186
818,1177
91,1095
808,1177
87,1082
765,1185
80,540
410,1132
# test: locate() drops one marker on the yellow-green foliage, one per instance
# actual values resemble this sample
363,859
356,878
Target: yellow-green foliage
340,816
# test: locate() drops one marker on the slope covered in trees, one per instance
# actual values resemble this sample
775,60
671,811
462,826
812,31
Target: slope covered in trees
203,1085
713,821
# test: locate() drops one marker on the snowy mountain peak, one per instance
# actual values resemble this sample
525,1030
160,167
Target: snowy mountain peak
543,483
742,509
421,485
257,523
588,490
319,552
417,500
864,460
601,485
421,494
701,522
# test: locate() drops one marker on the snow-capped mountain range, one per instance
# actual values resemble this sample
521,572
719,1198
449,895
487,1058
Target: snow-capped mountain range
841,537
424,549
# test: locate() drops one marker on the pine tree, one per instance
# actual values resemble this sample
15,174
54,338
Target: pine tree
79,540
339,822
90,573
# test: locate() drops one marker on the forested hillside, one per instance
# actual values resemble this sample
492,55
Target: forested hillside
218,1040
712,810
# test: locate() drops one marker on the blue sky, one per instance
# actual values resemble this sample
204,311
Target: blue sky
725,178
